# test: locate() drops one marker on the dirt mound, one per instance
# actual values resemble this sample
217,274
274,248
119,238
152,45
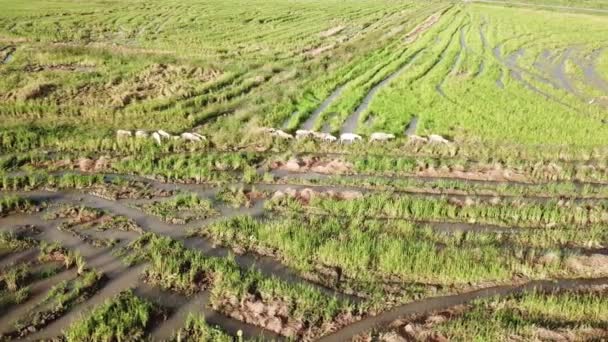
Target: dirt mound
307,194
275,315
92,165
313,164
419,327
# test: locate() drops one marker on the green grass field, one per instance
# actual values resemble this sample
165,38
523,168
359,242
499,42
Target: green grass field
155,182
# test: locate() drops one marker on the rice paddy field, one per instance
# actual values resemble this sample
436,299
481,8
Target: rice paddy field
289,170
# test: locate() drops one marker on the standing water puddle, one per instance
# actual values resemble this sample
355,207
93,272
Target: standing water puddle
411,127
310,122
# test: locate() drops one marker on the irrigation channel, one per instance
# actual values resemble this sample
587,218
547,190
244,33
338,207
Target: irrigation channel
121,277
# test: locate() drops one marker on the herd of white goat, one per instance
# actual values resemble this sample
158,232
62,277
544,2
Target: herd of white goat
160,135
351,137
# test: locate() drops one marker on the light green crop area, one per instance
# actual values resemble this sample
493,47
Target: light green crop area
472,72
499,74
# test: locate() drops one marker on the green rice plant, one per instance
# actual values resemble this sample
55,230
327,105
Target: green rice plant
11,243
373,252
507,213
181,208
172,266
12,204
125,317
529,316
59,299
9,298
15,276
196,329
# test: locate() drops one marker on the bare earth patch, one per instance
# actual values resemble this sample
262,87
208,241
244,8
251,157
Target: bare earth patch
313,164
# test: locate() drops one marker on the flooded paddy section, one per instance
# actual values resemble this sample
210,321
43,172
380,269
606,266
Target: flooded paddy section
121,277
445,302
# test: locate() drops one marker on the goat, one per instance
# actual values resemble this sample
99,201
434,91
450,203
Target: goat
156,137
141,134
378,136
281,134
191,137
437,139
123,134
349,137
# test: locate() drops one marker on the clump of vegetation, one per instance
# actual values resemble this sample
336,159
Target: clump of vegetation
203,168
59,300
11,243
125,317
120,188
236,291
537,316
181,209
38,180
55,252
76,214
550,214
238,197
118,222
197,329
15,204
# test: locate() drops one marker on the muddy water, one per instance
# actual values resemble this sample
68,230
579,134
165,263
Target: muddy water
592,76
412,126
351,123
8,260
267,266
9,56
310,122
438,303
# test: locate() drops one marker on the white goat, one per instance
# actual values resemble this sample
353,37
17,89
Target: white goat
325,137
303,133
163,134
379,136
417,138
123,134
437,139
349,137
156,137
202,137
281,134
141,134
191,137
